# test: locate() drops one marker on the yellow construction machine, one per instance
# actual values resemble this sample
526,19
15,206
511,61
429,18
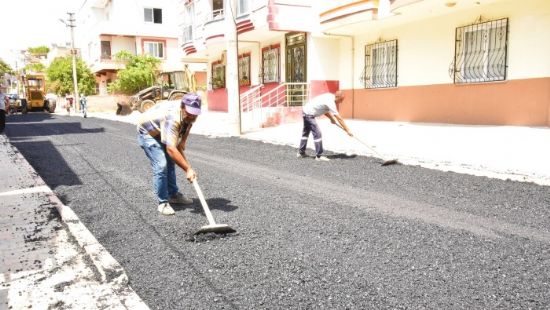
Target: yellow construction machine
34,94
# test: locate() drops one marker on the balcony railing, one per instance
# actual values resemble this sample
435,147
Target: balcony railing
217,14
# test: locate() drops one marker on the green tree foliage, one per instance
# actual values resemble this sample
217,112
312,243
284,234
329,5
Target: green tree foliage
139,73
35,67
5,68
60,76
39,50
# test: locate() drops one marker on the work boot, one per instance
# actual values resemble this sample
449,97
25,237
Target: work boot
180,199
322,158
165,209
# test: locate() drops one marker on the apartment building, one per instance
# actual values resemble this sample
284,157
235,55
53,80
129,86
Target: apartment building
443,61
106,27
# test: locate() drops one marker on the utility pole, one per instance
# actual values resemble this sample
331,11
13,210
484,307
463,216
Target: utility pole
232,68
71,25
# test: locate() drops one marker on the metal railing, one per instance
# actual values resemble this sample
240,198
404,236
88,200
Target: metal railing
249,97
257,108
481,52
217,14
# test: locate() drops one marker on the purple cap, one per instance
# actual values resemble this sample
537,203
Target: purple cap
192,103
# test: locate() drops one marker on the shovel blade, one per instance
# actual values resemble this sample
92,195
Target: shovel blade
215,228
390,162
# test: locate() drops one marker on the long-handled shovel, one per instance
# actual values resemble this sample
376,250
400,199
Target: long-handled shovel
212,226
386,162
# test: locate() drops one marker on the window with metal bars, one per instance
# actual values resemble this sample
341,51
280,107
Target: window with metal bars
480,52
380,69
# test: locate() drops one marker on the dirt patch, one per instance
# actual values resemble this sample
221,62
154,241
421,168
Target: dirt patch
105,103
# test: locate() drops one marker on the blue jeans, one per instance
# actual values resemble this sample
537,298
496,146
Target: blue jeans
164,170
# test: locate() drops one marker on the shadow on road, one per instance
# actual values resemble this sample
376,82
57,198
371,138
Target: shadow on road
213,204
48,162
20,130
341,156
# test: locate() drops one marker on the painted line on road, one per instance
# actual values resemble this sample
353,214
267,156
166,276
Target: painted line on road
30,190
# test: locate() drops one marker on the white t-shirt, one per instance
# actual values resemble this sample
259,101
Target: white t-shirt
2,101
320,105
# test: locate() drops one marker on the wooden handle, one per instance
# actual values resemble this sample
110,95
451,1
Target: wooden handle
203,203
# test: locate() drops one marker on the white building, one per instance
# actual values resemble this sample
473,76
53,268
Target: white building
106,27
446,61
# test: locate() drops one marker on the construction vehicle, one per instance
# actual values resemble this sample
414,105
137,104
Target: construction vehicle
34,94
169,86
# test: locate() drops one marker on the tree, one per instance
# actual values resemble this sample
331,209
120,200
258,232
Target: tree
39,50
35,67
139,73
60,76
5,68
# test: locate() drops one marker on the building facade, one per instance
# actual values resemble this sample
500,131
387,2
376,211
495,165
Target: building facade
463,62
106,27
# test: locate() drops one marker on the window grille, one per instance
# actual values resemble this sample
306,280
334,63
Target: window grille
480,52
218,75
244,70
380,69
270,68
105,49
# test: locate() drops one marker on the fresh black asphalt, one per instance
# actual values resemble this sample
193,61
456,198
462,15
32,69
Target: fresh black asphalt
344,234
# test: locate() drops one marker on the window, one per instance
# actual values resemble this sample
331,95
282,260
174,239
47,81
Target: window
270,62
380,69
243,7
218,75
105,49
155,49
188,23
244,70
153,15
480,52
217,9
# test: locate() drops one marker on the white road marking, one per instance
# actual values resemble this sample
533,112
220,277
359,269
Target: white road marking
31,190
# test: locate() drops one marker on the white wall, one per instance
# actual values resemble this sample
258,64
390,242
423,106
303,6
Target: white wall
122,44
426,47
323,61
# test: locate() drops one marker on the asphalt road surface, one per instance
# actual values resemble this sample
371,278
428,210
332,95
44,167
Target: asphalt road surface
344,234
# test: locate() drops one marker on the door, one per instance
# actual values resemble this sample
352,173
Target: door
296,68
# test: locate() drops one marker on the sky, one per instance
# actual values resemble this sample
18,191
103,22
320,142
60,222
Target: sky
43,28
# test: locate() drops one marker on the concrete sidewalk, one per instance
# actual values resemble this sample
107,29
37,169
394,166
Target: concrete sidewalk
48,259
503,152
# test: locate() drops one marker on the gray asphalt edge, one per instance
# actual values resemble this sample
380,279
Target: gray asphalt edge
110,271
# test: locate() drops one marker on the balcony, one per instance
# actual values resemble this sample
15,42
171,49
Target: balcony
348,12
106,64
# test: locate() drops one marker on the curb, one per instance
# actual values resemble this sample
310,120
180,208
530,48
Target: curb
110,271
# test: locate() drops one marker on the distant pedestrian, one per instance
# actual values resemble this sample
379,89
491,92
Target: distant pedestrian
68,103
83,105
162,134
3,103
319,105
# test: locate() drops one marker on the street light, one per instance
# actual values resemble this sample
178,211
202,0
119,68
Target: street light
71,25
